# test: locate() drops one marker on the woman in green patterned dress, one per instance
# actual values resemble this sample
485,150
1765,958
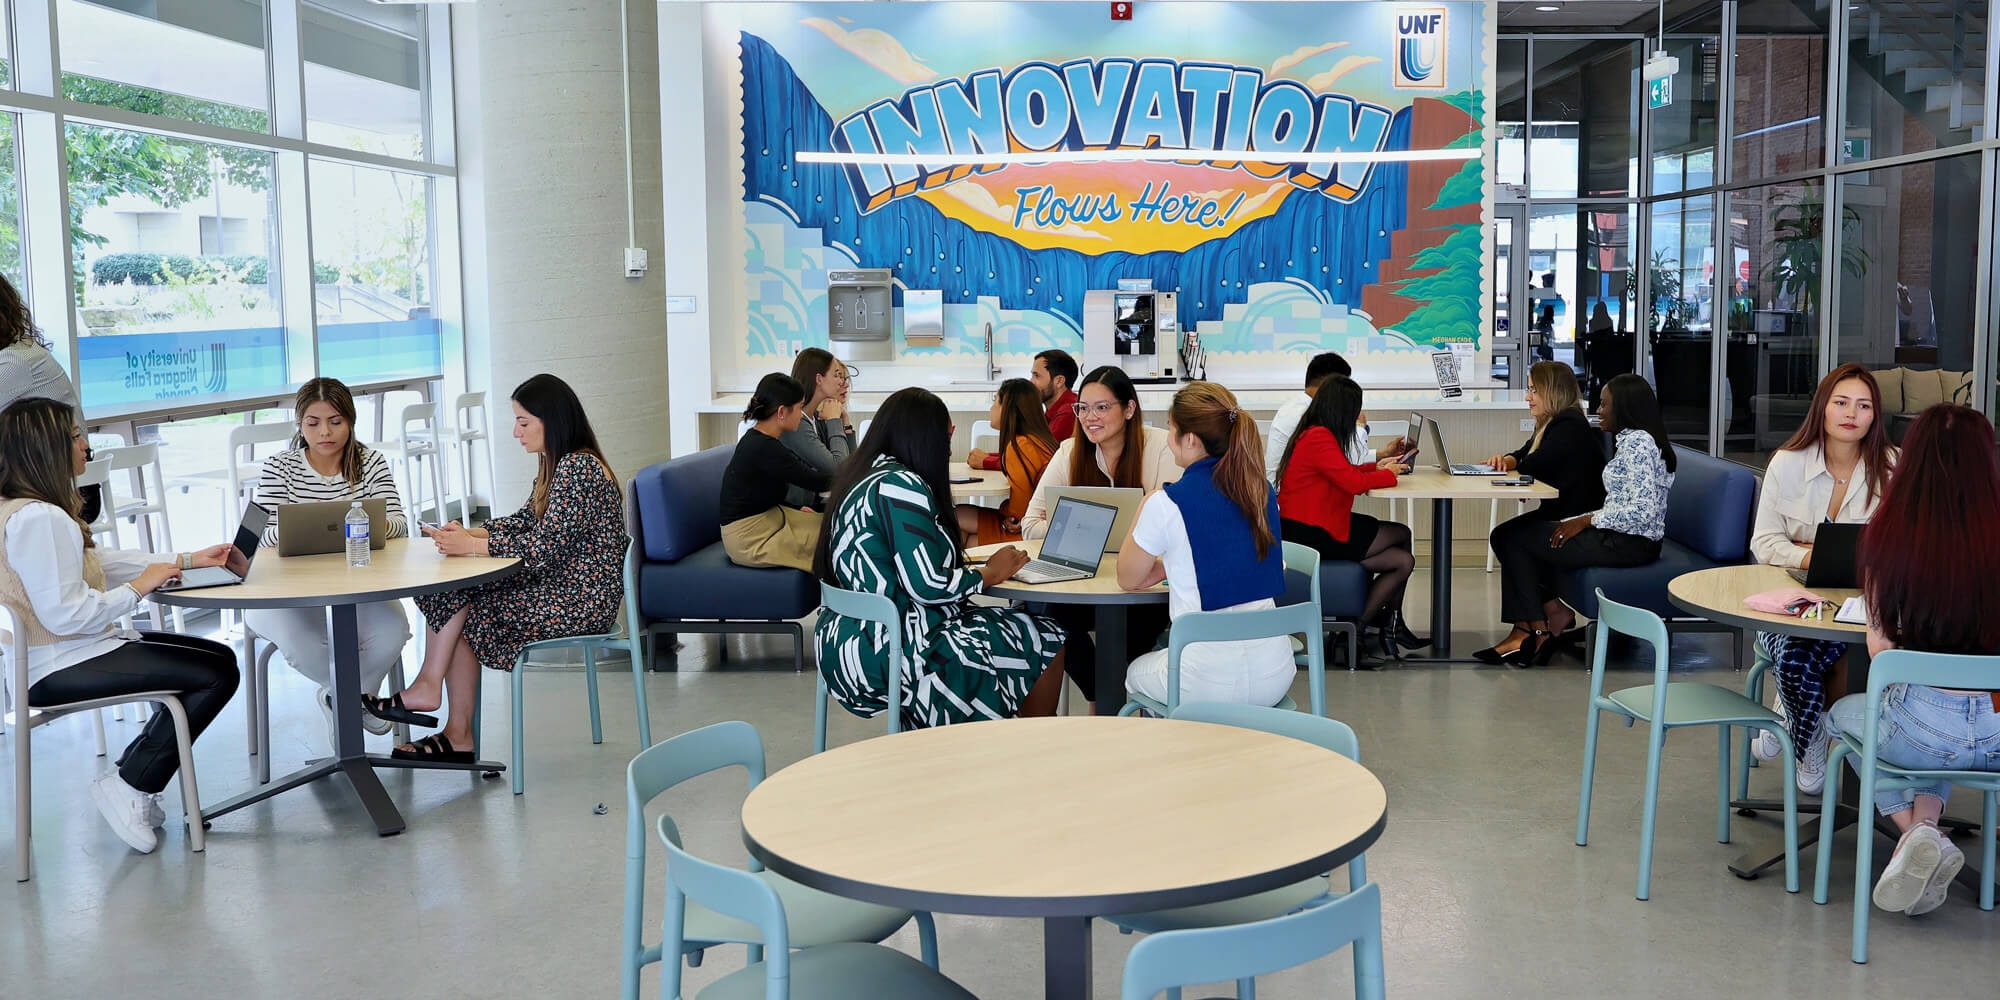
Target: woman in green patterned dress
890,529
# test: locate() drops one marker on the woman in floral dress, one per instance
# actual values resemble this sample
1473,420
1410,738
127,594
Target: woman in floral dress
888,532
570,538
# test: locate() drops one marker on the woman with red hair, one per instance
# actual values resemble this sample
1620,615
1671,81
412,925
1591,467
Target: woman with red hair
1930,573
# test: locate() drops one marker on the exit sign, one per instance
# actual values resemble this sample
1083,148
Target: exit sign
1659,93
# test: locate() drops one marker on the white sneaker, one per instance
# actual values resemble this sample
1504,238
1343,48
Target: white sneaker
156,815
1950,860
1766,745
1812,766
124,808
1918,856
369,723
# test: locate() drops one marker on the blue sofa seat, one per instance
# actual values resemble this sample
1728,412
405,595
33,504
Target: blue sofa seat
1709,512
682,580
1343,595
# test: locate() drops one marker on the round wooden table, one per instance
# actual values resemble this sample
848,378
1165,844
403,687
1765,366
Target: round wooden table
987,818
987,484
1101,592
401,568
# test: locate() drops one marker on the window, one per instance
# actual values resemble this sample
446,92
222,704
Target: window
364,76
1773,274
373,271
1907,279
1681,293
1584,138
12,260
1919,85
201,62
1780,89
1684,131
162,316
1511,119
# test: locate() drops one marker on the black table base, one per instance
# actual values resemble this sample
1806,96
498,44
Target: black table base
1066,972
1758,860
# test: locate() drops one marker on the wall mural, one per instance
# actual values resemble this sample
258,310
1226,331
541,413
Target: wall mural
1378,260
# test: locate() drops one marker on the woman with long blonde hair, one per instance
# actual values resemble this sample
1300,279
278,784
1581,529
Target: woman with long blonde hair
1231,561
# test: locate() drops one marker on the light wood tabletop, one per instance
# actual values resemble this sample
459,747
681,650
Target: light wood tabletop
989,817
988,484
1100,589
1717,595
1433,483
404,567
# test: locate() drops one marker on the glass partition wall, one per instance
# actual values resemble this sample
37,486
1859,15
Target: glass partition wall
1759,246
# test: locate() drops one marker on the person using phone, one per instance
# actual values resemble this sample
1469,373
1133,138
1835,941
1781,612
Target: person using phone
67,596
1285,422
890,530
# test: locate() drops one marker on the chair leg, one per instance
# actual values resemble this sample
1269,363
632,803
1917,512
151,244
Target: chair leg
639,693
1368,976
1656,738
819,716
400,732
260,673
1492,521
1988,819
1722,785
927,938
1823,862
590,683
1864,868
248,655
24,813
97,723
515,701
190,795
1589,772
1246,989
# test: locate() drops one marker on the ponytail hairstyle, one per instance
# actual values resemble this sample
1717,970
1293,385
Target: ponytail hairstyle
774,391
1336,406
1210,413
38,456
334,393
1131,470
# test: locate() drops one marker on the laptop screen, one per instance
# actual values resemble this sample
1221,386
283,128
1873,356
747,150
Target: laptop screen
1077,532
249,535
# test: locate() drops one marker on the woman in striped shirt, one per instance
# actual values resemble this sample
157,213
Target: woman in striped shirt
326,462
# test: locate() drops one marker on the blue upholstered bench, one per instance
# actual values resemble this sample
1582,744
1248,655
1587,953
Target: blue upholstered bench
683,582
1709,512
1343,595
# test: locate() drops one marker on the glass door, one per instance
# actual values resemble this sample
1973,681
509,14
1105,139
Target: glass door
1510,294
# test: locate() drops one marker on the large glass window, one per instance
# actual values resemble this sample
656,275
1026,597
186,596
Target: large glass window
13,263
1510,122
1779,91
1584,137
175,289
364,76
1680,293
1776,234
199,62
1909,251
1915,78
1684,131
373,272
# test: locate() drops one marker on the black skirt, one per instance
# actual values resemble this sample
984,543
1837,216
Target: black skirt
1361,530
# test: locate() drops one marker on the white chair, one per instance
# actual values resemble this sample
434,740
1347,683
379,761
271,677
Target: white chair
416,443
1493,521
469,427
984,437
148,500
238,480
104,531
257,699
24,725
862,431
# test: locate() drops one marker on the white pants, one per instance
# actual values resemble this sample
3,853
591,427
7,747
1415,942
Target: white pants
302,638
1253,672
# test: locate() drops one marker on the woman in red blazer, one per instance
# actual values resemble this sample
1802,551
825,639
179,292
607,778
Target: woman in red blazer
1317,487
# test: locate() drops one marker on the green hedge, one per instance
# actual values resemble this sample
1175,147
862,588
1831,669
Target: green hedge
151,268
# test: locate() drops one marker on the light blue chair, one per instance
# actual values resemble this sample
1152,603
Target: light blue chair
1305,559
1312,892
1901,666
808,918
871,608
1753,689
1166,962
633,639
1231,626
1665,705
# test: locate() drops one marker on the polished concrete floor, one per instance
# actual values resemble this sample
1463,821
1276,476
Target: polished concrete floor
489,895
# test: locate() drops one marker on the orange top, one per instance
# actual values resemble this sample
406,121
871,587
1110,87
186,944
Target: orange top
1024,462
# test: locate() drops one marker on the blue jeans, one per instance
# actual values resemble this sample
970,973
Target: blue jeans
1923,729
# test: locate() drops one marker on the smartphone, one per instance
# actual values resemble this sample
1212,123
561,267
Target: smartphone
961,482
1516,481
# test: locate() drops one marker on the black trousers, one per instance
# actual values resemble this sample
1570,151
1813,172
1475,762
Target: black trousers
201,671
1530,566
1144,624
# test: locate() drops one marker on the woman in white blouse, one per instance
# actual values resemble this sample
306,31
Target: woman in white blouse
1833,469
327,462
1112,446
67,596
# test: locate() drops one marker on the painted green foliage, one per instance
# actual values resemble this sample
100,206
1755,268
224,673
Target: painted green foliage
1450,293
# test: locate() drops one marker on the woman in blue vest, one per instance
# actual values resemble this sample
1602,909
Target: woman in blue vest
1234,562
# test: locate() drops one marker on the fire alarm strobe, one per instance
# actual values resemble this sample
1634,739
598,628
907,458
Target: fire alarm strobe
1121,12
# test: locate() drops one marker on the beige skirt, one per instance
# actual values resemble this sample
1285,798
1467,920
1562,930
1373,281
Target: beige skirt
781,536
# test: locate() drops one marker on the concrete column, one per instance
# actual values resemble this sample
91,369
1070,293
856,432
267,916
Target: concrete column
541,153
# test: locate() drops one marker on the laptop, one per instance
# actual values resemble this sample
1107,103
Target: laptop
249,535
1833,558
1418,422
1126,499
1075,542
316,529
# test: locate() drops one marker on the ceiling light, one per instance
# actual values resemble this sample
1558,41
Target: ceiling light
1132,156
1547,8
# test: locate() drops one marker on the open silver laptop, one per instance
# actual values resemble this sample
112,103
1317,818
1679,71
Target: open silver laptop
249,535
1418,422
1126,499
1074,545
316,529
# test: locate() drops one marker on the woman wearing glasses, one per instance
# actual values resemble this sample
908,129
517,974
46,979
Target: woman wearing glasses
823,437
1112,446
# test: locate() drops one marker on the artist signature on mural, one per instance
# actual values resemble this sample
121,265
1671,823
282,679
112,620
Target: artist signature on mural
1044,207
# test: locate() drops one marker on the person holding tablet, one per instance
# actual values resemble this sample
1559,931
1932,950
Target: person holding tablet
67,595
327,462
1232,561
1834,469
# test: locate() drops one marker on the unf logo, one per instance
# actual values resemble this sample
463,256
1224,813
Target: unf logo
1420,47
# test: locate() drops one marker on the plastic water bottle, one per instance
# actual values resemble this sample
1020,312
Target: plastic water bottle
357,535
